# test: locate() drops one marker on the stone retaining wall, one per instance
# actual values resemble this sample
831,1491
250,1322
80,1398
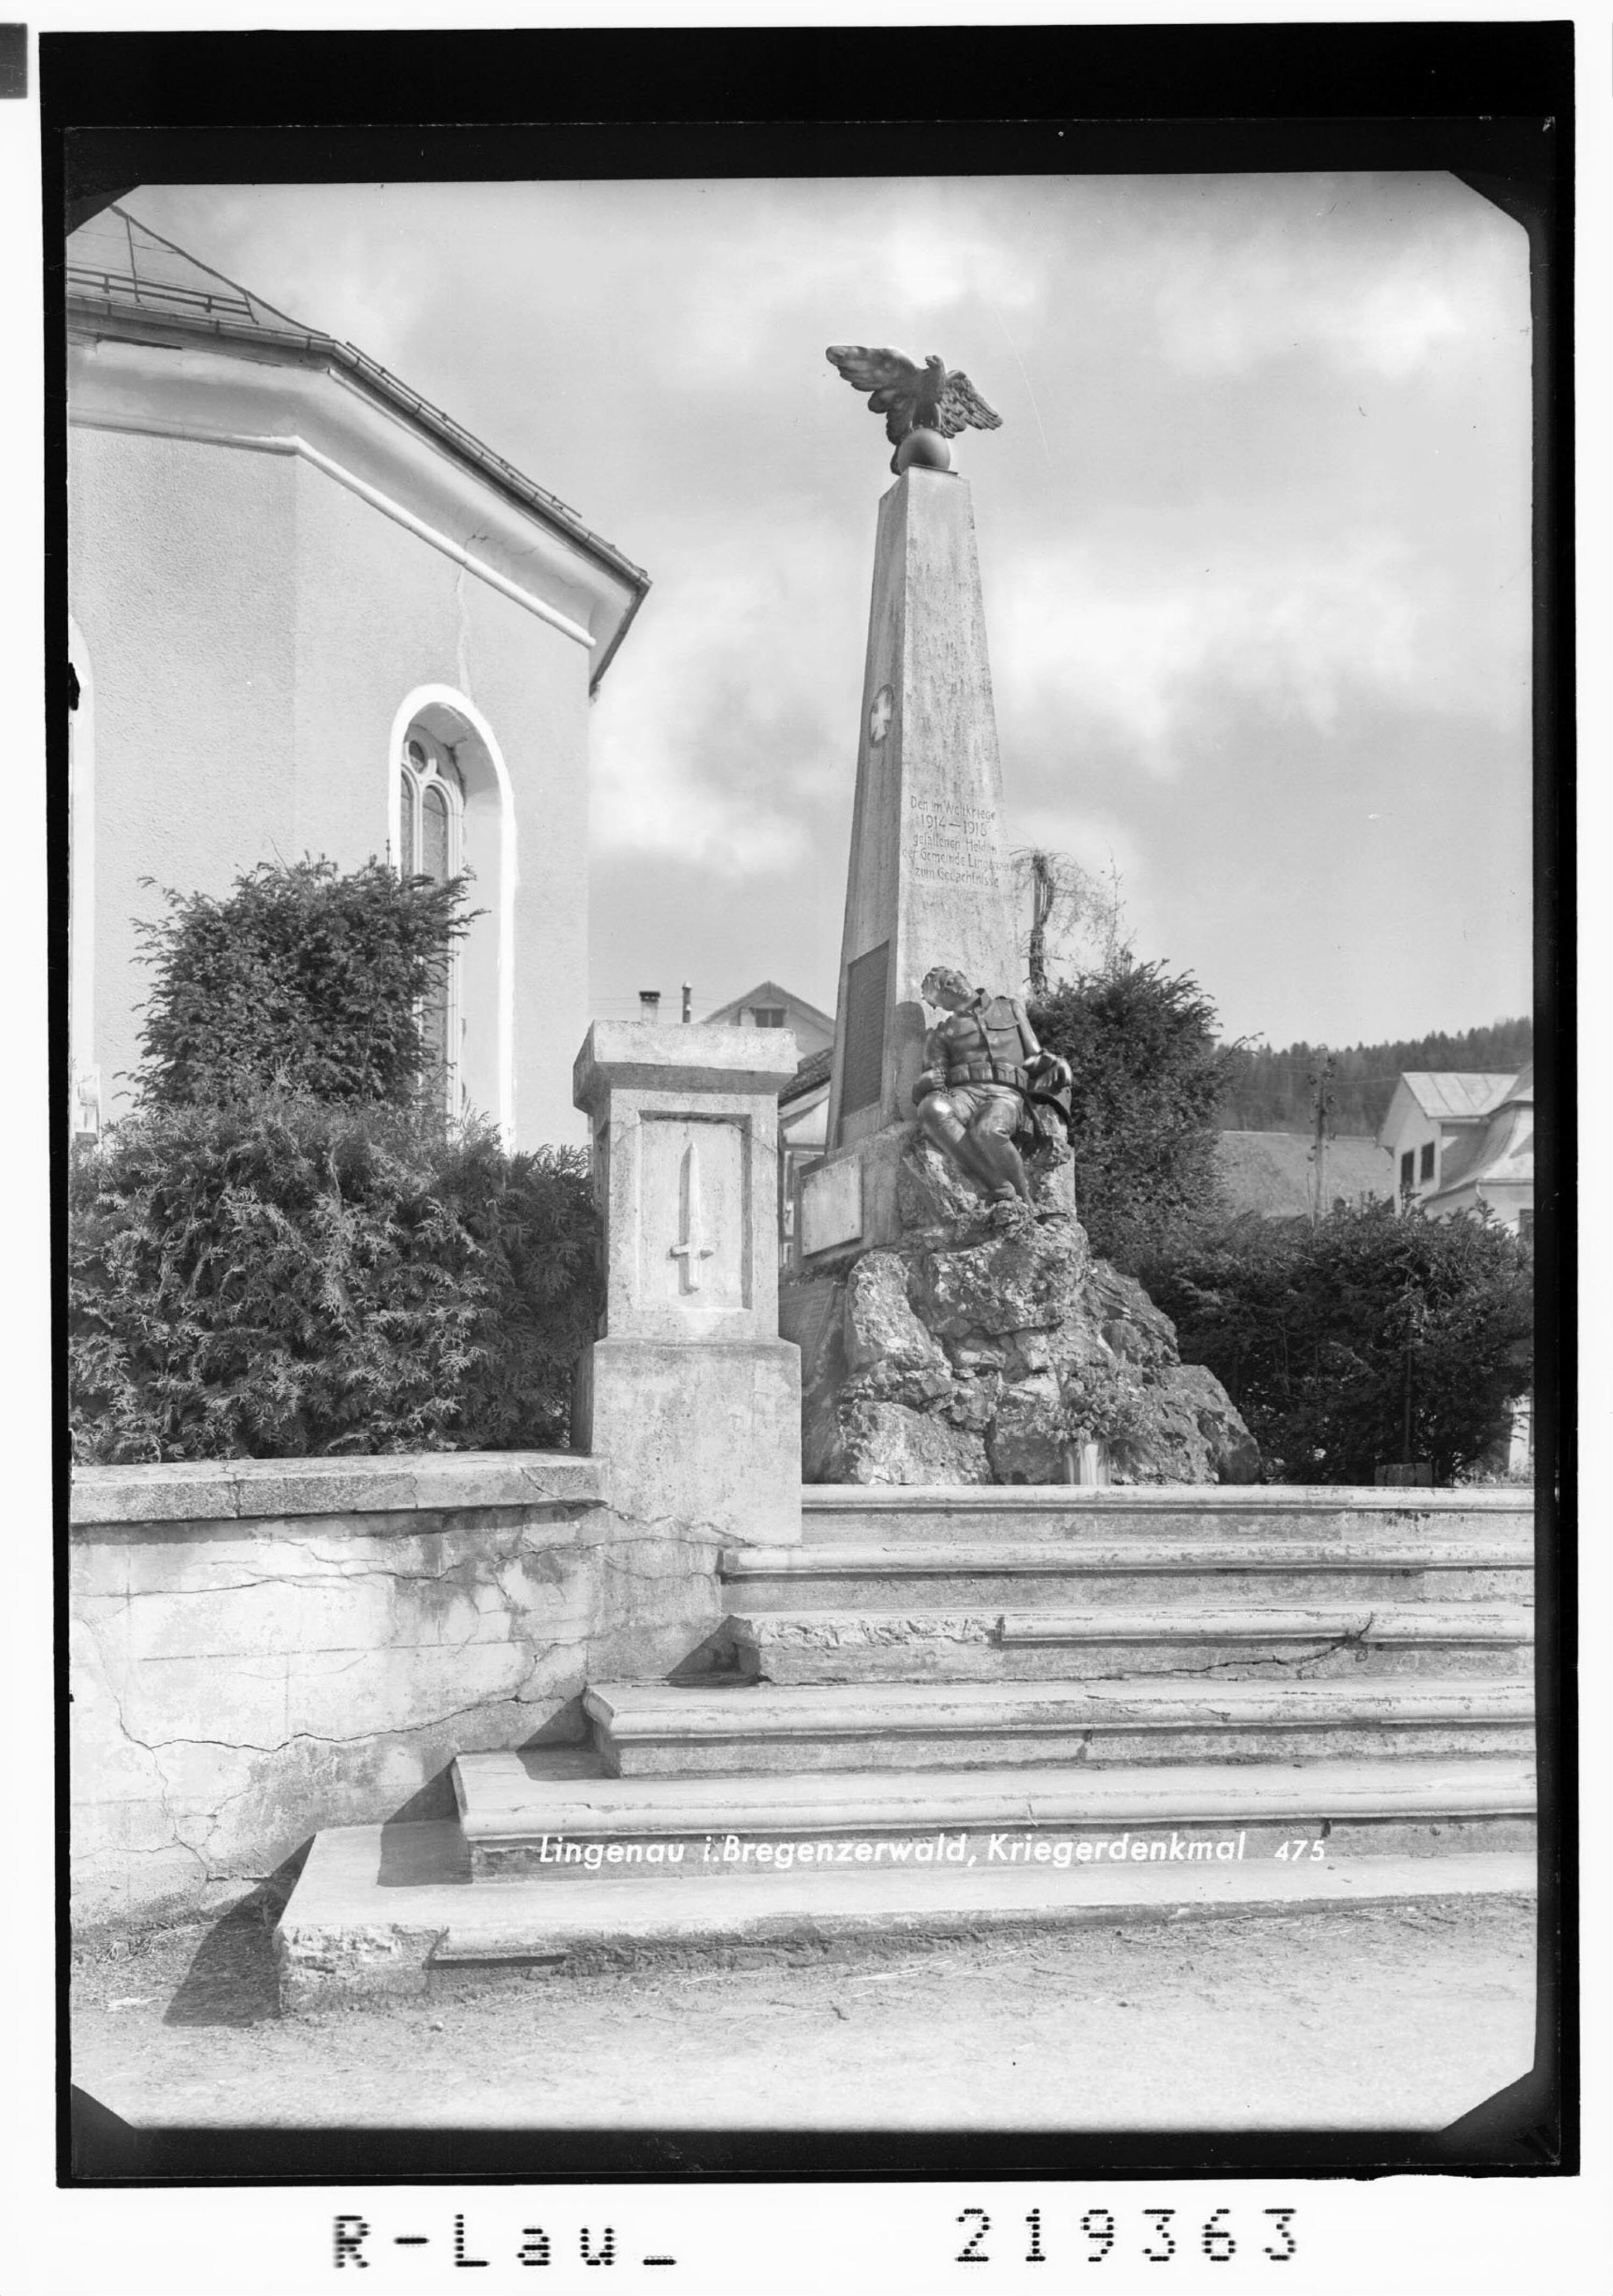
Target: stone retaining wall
262,1648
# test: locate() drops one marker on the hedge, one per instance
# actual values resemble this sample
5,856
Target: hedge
281,1276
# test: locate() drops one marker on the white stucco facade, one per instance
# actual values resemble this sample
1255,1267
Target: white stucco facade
275,571
1463,1141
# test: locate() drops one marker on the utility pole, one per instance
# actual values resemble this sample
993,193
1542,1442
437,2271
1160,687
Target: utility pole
1321,1083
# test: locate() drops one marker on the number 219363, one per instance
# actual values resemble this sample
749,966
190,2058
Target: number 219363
1156,2236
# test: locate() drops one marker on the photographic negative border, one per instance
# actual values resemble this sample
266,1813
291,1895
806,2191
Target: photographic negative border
1493,104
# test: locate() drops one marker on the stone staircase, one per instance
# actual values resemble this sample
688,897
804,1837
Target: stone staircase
951,1708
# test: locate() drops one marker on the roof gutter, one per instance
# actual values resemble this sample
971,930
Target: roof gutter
144,325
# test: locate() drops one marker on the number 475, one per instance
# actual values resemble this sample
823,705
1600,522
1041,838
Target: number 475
1298,1850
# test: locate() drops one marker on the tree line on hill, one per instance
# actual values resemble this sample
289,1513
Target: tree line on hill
1264,1090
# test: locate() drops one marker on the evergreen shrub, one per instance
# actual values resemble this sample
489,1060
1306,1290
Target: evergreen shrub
298,979
1322,1335
282,1277
1148,1076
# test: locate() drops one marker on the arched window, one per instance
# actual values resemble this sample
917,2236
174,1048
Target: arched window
431,835
452,812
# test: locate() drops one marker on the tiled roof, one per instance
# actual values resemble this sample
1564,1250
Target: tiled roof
1503,1153
1455,1095
115,258
813,1072
127,279
1272,1172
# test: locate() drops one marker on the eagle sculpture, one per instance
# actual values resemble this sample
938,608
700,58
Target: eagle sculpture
911,397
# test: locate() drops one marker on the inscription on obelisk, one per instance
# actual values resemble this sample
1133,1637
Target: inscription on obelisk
954,844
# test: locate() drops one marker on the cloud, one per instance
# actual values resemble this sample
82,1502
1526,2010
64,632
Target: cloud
1150,639
352,272
1381,294
1099,840
718,735
878,263
1235,595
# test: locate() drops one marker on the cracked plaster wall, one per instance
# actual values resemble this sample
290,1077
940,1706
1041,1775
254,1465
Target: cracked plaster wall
237,1685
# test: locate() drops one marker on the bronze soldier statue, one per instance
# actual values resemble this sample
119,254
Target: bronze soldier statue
980,1063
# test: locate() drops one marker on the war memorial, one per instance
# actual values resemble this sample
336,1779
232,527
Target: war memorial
919,1587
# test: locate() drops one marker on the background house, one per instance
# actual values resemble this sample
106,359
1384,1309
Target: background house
312,615
1491,1167
767,1005
1464,1142
803,1103
803,1130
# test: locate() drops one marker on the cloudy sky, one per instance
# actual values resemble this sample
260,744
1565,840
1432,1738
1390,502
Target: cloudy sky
1253,537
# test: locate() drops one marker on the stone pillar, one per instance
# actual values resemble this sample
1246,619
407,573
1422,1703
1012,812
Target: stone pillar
688,1391
929,880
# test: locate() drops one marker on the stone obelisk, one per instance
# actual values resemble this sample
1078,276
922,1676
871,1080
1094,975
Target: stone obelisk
953,1326
928,882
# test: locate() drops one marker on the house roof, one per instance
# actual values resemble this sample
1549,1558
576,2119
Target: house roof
770,992
812,1074
125,280
1456,1095
1272,1172
1502,1154
119,259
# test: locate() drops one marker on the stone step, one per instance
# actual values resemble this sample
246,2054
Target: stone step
351,1931
520,1813
1136,1573
668,1730
838,1514
902,1645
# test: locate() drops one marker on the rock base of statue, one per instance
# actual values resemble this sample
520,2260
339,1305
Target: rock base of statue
987,1345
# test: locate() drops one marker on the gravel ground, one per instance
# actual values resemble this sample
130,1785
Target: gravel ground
1357,2019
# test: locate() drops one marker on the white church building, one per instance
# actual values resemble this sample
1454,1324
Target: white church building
313,616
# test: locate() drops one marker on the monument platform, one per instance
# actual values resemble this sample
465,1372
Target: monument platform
349,1932
890,1786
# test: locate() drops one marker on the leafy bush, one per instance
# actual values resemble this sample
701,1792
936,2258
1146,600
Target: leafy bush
1321,1335
280,1277
1148,1076
300,980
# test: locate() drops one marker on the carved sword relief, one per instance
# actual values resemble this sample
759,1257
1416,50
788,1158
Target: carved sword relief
691,1247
